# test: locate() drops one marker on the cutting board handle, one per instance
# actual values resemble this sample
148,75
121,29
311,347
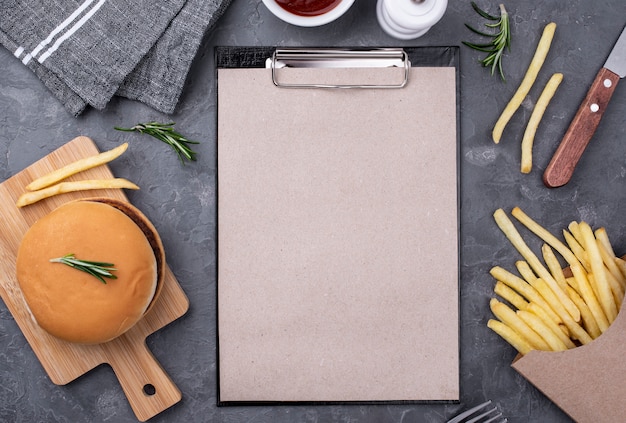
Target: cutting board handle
148,388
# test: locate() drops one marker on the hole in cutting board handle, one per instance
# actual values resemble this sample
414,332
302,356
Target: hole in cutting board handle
149,389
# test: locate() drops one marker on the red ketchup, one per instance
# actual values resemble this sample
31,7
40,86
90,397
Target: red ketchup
308,7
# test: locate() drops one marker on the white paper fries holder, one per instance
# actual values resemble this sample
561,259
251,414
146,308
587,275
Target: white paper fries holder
285,58
409,19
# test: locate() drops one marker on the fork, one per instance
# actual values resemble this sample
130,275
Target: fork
485,417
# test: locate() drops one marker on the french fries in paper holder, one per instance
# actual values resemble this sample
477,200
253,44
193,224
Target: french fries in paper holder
547,308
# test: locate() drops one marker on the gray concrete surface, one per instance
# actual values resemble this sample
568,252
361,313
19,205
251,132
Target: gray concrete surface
180,200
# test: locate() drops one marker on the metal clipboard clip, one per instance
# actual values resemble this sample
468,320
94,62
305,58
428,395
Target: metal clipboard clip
344,58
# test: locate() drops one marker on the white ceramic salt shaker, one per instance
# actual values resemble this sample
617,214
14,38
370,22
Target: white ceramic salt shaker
409,19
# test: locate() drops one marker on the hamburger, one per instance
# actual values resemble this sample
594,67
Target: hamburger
73,305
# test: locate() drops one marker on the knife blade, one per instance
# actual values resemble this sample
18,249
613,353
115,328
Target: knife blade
561,168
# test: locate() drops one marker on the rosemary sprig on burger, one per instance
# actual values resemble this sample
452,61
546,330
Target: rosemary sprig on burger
97,269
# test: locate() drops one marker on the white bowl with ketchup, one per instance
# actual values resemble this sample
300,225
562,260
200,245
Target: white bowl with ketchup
308,12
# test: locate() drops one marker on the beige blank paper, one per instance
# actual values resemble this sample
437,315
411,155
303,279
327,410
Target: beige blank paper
337,239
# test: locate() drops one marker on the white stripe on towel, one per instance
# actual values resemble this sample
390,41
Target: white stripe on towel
71,31
18,52
56,31
61,27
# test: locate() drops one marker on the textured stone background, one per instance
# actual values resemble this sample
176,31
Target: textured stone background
180,200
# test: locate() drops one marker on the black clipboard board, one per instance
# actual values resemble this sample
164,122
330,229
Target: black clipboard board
268,193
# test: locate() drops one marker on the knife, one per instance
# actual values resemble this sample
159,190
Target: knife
587,118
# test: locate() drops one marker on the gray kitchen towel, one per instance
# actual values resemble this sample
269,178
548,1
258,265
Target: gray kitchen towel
87,51
160,76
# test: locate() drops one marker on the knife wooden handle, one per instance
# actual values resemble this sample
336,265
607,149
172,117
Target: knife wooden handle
581,129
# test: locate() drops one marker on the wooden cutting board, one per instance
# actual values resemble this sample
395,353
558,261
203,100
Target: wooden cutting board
146,385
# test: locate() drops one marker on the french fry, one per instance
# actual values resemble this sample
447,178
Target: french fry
554,266
511,319
589,323
577,250
612,279
605,296
545,235
571,281
527,273
616,288
561,331
550,297
516,239
609,261
588,295
510,335
574,228
65,187
76,167
592,283
529,79
621,264
524,289
603,238
576,331
509,294
535,118
536,324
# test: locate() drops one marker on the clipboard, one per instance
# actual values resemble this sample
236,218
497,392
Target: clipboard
337,225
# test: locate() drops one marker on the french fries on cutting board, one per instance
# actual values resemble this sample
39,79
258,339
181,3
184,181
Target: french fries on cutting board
51,183
543,306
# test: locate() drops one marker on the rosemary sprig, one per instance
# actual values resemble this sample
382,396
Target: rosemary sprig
98,269
165,132
499,40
